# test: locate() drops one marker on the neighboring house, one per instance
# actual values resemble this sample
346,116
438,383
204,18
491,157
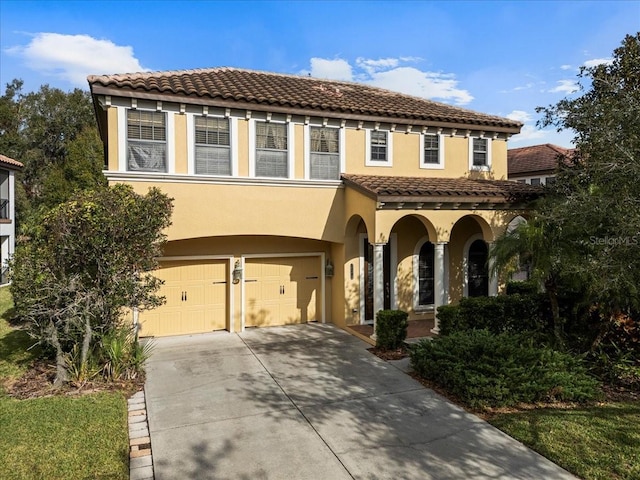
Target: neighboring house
535,165
299,199
8,167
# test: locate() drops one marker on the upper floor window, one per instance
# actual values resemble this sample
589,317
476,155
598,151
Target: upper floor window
325,153
212,146
550,180
271,158
535,181
4,194
146,141
431,151
379,148
479,154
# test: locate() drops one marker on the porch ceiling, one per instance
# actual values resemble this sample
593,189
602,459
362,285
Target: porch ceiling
418,193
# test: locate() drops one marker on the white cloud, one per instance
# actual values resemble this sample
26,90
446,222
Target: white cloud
337,69
528,134
565,86
371,66
73,57
565,67
390,74
519,116
416,82
598,61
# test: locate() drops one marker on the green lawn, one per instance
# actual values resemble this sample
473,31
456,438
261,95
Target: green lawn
56,437
599,442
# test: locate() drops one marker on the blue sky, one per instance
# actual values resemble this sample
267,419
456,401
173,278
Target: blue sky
501,57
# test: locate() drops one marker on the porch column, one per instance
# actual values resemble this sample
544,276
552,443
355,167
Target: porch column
439,294
378,282
493,278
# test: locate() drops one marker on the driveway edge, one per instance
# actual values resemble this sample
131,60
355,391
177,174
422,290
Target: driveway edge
140,457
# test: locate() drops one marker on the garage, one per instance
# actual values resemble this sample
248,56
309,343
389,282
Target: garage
196,299
281,291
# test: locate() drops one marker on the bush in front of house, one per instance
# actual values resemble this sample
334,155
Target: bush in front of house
487,370
523,287
504,313
391,328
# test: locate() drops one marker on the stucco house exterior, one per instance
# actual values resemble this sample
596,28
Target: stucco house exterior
8,168
536,164
298,199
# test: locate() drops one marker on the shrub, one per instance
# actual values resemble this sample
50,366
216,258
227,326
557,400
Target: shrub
528,287
504,313
391,328
484,370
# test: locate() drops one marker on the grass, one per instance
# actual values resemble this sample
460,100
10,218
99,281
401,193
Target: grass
598,442
56,437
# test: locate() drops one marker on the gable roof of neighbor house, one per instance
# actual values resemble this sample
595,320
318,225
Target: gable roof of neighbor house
536,158
275,92
413,189
10,163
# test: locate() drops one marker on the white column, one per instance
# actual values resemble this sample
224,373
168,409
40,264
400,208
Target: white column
493,278
439,297
378,282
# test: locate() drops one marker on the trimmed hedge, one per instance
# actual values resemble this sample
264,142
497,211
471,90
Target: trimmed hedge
487,370
504,313
527,287
391,328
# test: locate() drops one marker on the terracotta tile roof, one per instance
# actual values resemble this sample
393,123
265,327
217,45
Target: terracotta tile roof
264,89
10,162
455,189
535,158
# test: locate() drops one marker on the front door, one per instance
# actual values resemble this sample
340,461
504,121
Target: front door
368,278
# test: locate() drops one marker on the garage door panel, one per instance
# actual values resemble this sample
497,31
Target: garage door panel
280,291
196,299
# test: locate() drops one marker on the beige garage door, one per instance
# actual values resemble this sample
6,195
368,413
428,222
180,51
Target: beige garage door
280,291
196,299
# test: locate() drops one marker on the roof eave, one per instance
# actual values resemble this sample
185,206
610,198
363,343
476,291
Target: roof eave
99,89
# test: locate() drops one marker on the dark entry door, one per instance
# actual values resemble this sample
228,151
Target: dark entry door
368,278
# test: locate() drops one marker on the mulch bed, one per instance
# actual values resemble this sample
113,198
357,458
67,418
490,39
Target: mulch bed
37,382
396,354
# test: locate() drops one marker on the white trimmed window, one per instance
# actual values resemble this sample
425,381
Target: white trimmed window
432,151
426,275
479,153
379,148
271,150
146,141
324,158
212,146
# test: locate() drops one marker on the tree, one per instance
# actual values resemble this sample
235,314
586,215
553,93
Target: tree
596,199
85,262
589,220
54,135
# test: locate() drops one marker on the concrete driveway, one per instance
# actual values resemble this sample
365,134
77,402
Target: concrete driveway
309,402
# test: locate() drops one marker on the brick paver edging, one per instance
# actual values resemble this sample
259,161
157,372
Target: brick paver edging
140,458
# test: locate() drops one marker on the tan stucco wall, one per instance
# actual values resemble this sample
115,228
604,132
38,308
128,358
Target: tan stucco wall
112,126
204,210
181,154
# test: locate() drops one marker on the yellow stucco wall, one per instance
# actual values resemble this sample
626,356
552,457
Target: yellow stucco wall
112,138
181,143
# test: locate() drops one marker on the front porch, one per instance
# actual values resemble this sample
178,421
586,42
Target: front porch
417,329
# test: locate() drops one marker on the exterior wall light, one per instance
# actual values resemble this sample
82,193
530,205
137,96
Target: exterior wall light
328,269
236,275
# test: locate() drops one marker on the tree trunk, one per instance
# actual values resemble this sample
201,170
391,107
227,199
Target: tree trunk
552,291
62,376
86,341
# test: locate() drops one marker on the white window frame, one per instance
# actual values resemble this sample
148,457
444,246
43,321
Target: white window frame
432,166
191,143
123,139
290,146
416,277
307,149
376,163
481,168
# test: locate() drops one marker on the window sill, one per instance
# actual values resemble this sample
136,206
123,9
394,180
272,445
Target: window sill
424,309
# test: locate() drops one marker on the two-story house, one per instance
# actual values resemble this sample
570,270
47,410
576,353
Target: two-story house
299,199
8,167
